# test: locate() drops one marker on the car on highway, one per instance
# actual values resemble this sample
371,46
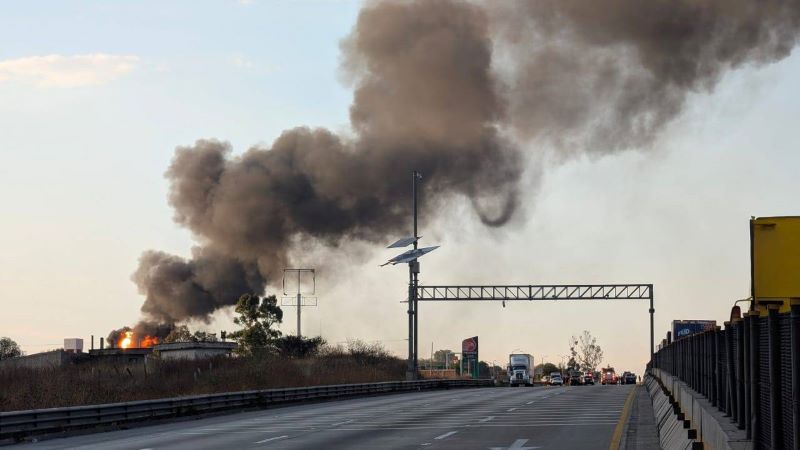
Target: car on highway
588,379
576,378
629,378
556,380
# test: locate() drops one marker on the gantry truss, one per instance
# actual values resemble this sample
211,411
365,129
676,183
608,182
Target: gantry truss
537,292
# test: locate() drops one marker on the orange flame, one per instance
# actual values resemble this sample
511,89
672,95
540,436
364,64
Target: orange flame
129,340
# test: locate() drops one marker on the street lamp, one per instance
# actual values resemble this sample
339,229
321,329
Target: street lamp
410,257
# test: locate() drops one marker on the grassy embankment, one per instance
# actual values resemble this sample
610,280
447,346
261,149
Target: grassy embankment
95,382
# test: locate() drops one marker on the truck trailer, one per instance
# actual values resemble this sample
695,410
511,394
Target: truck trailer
520,369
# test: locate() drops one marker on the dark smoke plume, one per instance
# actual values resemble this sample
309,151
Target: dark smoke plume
448,88
600,76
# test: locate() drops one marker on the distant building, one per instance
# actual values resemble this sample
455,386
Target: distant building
44,360
121,355
193,350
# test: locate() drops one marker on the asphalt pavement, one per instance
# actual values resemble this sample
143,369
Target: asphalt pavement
572,417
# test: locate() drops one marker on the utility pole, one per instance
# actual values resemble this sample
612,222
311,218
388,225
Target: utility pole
297,300
299,304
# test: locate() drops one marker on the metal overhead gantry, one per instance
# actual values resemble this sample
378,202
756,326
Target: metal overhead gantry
539,292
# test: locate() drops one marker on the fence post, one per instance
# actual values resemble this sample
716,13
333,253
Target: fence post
696,357
730,403
715,374
795,348
704,342
709,366
775,423
745,350
754,418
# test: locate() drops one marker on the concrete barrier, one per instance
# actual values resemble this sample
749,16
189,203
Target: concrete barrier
713,429
674,431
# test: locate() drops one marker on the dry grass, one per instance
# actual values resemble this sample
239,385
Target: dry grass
94,383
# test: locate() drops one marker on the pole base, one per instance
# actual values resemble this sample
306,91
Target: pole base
411,375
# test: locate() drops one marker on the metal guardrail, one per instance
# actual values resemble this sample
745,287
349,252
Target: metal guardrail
18,424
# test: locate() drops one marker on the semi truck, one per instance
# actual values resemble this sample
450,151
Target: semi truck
520,369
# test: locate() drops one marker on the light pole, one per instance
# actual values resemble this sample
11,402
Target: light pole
411,257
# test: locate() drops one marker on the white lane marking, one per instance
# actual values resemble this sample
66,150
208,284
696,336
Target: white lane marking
446,435
427,443
486,419
272,439
510,409
517,445
342,423
530,402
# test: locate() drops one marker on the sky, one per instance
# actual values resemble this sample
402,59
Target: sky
95,96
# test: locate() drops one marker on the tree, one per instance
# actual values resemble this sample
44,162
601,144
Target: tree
182,333
299,347
590,354
440,359
204,336
257,317
546,369
9,348
572,364
179,334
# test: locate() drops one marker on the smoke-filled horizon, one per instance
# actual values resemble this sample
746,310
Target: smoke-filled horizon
455,90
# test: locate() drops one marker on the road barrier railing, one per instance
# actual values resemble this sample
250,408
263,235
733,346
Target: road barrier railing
750,370
19,424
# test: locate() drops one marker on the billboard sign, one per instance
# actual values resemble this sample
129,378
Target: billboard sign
469,353
683,328
469,346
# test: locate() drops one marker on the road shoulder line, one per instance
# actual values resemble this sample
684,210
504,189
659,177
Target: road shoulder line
623,418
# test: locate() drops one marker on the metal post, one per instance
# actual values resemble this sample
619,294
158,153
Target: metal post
795,348
754,416
413,282
416,176
410,373
299,304
652,335
730,399
775,432
742,377
715,367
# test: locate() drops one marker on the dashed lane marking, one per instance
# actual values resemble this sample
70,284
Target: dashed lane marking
486,419
342,423
446,435
277,438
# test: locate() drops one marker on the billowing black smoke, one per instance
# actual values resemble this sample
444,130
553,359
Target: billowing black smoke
449,88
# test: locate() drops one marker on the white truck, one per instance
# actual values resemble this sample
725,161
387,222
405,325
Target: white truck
520,369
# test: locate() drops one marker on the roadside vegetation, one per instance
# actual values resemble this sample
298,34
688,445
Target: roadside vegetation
93,382
263,359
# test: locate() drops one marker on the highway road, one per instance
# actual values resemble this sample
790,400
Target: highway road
576,417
